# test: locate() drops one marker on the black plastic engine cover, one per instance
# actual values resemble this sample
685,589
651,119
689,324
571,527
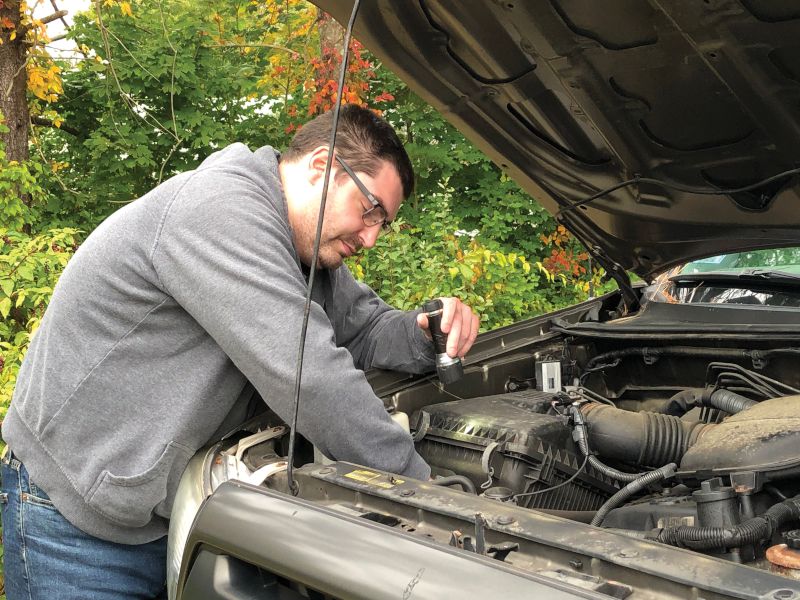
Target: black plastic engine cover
517,437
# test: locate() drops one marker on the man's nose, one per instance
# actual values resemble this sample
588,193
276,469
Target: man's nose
369,235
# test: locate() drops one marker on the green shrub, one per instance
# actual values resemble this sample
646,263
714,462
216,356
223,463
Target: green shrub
433,257
29,268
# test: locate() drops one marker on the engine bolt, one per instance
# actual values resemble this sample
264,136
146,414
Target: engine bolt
505,520
407,493
792,539
783,594
576,564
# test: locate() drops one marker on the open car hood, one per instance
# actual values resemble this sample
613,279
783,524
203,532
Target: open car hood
571,97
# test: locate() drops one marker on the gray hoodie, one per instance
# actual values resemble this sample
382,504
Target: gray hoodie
170,306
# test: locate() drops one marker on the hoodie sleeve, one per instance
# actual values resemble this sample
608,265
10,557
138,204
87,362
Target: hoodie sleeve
376,334
225,253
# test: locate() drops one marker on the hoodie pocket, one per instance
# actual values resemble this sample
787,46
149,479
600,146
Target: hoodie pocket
131,500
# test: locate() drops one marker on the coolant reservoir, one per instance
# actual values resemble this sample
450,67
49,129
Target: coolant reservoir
401,419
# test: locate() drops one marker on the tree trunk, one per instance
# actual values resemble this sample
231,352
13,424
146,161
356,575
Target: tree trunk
13,82
331,39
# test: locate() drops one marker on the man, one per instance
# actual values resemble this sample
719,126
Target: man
160,319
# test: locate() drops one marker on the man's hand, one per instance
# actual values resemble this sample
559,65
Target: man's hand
458,322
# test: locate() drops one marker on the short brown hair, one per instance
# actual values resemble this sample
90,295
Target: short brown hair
363,140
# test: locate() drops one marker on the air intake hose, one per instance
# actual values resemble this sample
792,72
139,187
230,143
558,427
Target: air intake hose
641,438
580,436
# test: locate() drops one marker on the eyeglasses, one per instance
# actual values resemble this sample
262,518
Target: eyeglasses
376,215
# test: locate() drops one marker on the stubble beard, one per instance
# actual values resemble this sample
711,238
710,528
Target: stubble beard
329,256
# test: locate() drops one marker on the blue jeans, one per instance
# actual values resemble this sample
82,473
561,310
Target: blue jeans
47,557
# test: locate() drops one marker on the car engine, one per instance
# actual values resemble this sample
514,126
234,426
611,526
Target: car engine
691,446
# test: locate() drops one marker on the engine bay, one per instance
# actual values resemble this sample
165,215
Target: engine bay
680,444
685,443
689,438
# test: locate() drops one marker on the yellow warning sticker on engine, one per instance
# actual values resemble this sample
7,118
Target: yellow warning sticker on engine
373,478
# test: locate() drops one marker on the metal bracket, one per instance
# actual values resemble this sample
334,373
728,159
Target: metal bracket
262,474
253,440
486,464
502,550
423,424
649,356
477,544
759,359
749,482
235,467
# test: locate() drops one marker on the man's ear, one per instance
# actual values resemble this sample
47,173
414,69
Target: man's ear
317,159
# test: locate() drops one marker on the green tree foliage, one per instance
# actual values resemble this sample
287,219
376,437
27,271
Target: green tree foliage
162,87
29,269
29,265
416,262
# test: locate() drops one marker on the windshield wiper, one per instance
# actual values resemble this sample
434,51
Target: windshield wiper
756,275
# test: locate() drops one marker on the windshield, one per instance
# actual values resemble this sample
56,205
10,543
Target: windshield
740,278
786,260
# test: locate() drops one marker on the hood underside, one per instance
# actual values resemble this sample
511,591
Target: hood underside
570,97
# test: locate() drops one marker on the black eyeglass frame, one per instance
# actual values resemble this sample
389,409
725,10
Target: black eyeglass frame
385,222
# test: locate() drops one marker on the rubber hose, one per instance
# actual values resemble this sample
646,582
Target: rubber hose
464,482
785,511
750,532
642,438
682,402
611,471
631,489
579,434
710,538
730,402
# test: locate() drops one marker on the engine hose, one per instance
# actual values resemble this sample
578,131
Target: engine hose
631,489
464,482
579,435
641,438
728,401
682,402
747,533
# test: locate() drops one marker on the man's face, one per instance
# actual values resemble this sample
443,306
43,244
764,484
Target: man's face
344,232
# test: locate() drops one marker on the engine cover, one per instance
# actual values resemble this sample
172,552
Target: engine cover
518,439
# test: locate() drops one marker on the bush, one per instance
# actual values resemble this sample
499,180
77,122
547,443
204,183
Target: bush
434,258
29,268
